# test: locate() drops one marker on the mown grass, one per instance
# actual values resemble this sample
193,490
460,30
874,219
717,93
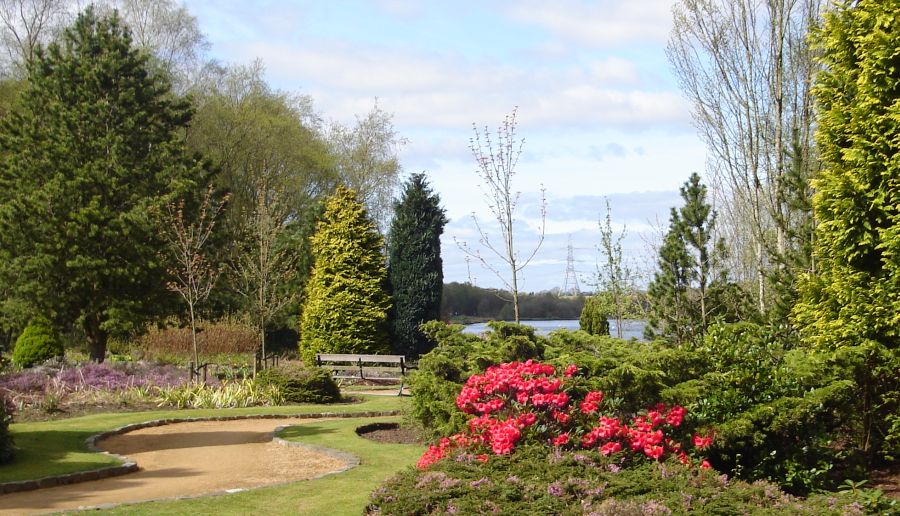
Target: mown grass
57,447
337,494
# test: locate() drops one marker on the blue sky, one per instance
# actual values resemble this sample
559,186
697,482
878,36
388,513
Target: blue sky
599,109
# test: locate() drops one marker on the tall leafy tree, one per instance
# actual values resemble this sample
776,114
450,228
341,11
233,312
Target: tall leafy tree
346,305
93,151
851,305
415,269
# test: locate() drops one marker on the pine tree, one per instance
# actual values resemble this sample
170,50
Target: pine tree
346,305
669,315
415,269
683,292
851,305
94,149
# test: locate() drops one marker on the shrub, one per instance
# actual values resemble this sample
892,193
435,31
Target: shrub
299,383
779,411
637,372
540,480
38,343
6,441
216,338
521,403
594,317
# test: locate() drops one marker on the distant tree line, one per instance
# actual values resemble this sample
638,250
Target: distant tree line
464,300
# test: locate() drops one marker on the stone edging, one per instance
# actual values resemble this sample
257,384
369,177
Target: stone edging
129,466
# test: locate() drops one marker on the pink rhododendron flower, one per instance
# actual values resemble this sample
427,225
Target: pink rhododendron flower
610,448
561,440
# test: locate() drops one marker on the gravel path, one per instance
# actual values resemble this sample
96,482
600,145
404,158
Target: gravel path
186,459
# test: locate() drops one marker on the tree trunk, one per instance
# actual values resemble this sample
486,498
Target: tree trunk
96,337
194,340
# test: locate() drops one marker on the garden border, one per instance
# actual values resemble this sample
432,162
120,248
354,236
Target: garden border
129,466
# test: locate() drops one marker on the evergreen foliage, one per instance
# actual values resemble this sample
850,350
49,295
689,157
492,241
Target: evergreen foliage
346,305
7,446
301,384
415,268
94,149
850,306
594,317
38,343
690,288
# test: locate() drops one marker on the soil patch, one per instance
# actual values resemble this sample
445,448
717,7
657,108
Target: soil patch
888,481
390,433
187,459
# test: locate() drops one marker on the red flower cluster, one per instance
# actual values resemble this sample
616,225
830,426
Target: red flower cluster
527,401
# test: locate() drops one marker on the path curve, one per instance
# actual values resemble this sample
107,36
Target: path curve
188,459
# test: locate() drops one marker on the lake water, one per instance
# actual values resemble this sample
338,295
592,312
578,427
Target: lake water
633,328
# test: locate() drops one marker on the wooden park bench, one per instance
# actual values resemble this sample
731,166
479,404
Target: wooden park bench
345,366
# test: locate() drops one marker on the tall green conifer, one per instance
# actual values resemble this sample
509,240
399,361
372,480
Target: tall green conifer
683,293
94,148
415,269
851,304
346,305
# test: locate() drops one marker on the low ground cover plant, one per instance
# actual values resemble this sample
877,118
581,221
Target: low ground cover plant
540,479
70,387
230,394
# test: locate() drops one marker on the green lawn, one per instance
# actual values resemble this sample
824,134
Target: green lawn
58,447
341,493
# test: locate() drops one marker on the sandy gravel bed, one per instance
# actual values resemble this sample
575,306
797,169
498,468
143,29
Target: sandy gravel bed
186,459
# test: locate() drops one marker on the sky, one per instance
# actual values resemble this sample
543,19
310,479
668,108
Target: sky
598,107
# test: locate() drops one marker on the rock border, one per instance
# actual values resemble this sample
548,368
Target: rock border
129,466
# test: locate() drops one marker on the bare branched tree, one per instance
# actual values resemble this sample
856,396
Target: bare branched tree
267,263
28,24
496,169
615,278
193,277
746,67
367,161
169,32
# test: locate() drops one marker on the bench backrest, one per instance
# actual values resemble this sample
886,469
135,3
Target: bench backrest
348,357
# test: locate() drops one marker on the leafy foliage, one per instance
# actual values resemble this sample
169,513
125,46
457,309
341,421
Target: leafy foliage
346,304
231,394
536,479
851,305
7,446
298,383
96,144
415,268
38,343
779,412
594,317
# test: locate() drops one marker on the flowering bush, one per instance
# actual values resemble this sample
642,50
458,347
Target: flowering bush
529,402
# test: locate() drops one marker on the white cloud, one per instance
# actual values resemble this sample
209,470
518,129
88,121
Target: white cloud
599,23
429,90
